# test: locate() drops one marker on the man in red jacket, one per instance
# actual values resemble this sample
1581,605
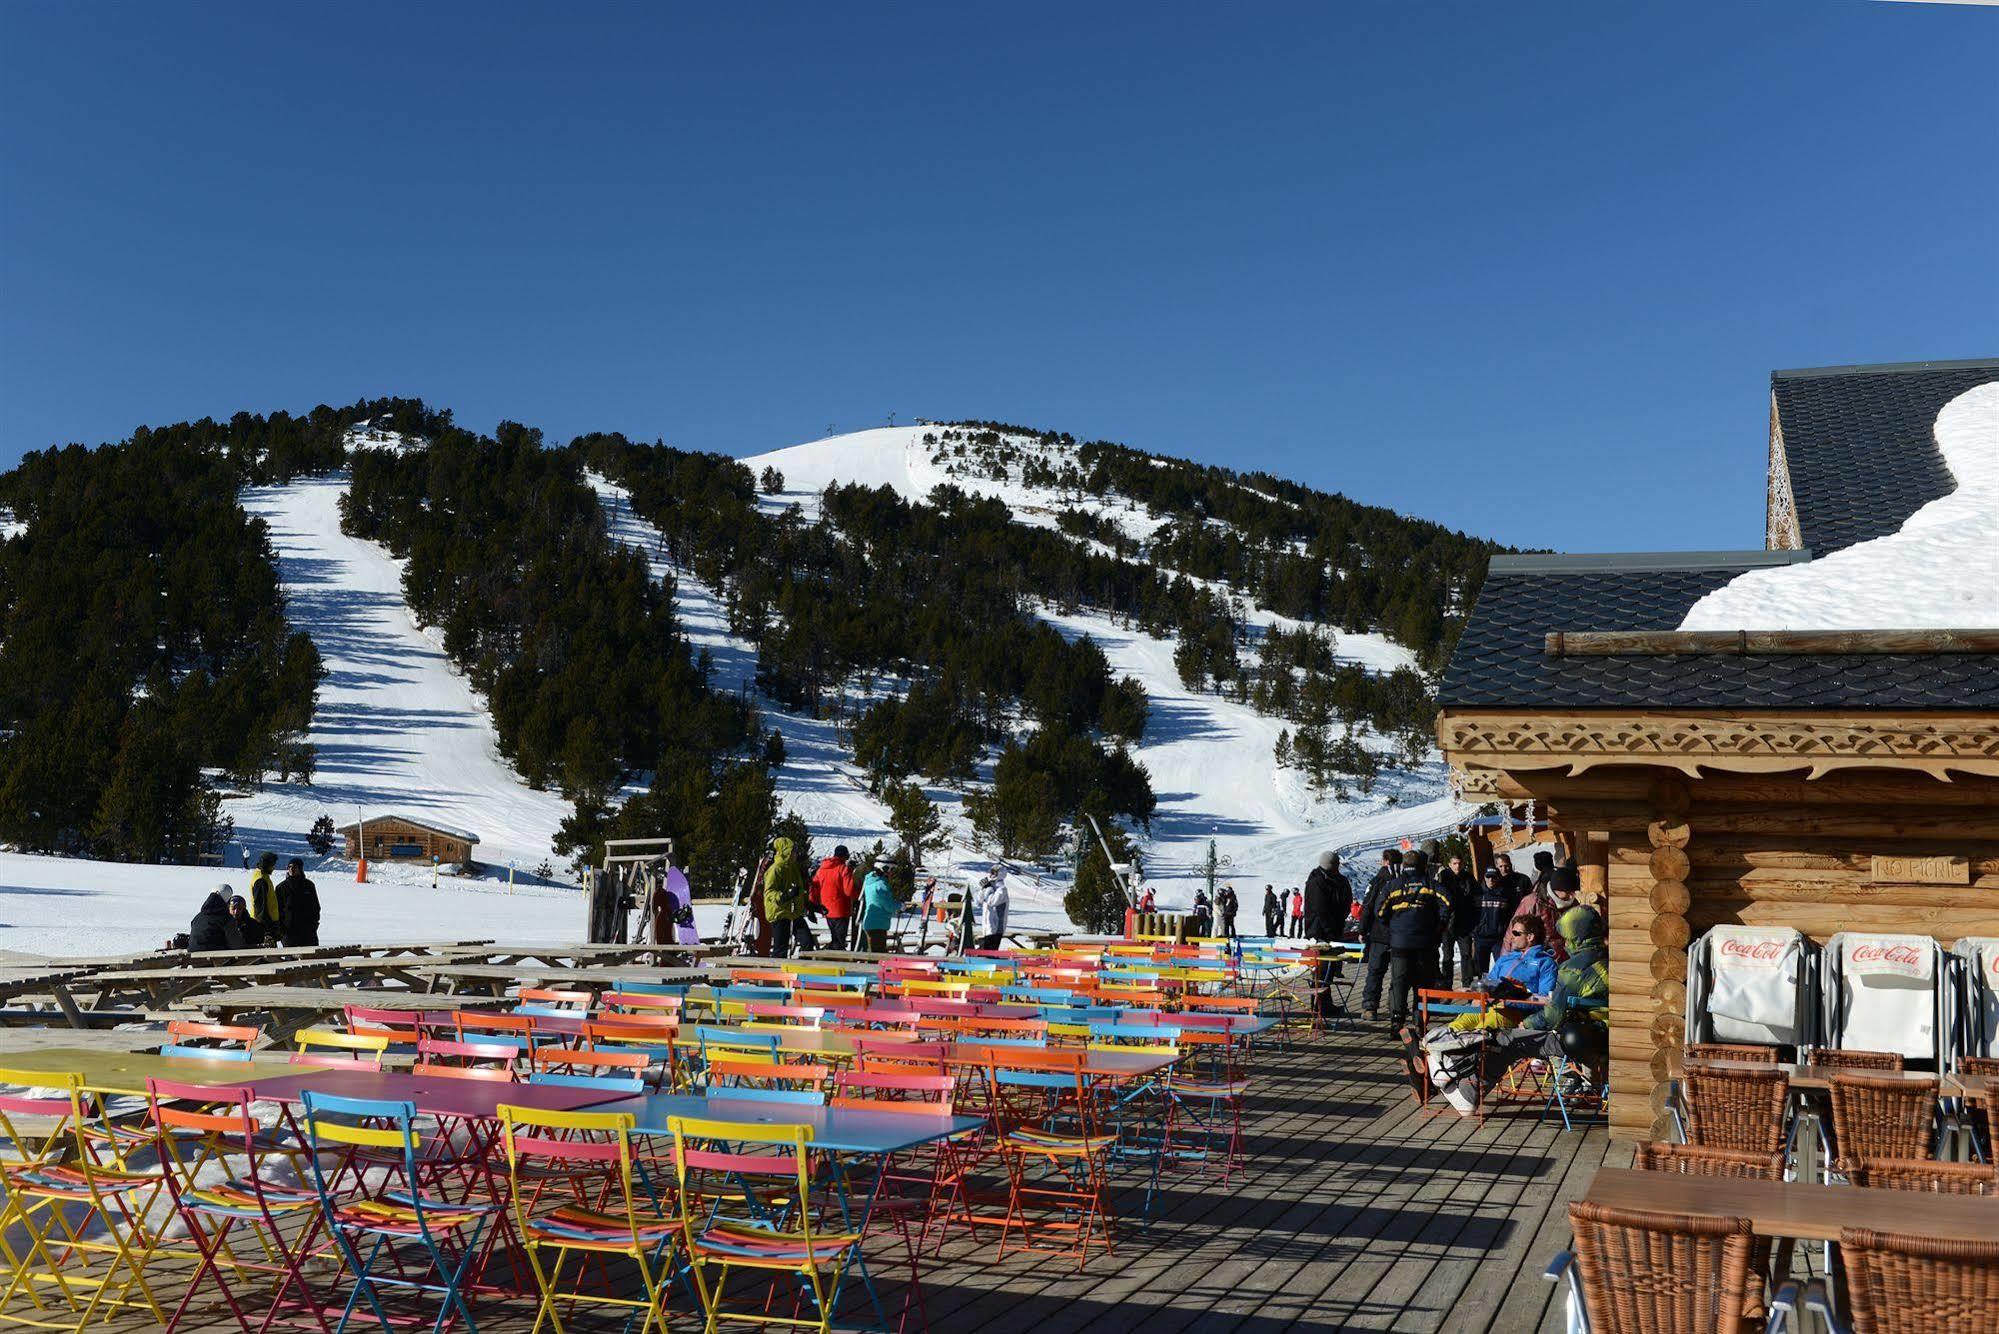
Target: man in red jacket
833,889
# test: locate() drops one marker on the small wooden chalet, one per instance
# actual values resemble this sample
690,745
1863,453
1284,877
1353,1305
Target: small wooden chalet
399,838
1824,780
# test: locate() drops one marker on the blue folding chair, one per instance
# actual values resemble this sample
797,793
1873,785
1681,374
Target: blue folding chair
421,1235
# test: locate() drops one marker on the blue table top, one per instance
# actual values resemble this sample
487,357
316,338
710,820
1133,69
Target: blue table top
839,1129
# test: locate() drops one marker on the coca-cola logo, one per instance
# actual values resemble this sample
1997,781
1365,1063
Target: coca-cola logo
1752,951
1905,955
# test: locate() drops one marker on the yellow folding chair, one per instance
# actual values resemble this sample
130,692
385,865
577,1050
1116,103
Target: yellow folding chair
58,1196
571,1142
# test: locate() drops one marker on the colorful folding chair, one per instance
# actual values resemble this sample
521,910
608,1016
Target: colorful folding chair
57,1198
756,1181
1049,1133
419,1235
214,1155
566,1142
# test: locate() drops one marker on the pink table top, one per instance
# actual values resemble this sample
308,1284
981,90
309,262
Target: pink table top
432,1095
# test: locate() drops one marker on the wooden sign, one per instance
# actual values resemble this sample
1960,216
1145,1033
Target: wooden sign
1923,870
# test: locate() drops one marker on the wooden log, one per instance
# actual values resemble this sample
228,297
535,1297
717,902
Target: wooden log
1671,995
1669,863
1663,1127
1670,794
1670,932
1669,963
1670,832
1668,896
1633,784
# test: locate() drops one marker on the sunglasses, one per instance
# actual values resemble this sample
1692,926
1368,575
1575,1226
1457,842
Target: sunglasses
1516,932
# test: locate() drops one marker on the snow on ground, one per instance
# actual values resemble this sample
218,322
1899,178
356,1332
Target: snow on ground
1940,571
70,906
397,729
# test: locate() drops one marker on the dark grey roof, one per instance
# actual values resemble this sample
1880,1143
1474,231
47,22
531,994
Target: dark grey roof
1860,444
1501,662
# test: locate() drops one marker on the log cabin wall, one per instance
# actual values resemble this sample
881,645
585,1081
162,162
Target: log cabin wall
1680,855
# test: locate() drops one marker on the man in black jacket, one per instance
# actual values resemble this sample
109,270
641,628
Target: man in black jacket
210,928
1511,881
1328,900
1458,886
298,906
1374,930
1418,917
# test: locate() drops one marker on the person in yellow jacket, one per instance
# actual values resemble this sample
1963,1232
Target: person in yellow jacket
264,898
784,895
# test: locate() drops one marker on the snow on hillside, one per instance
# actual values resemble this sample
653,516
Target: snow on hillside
1939,571
1210,759
396,728
896,457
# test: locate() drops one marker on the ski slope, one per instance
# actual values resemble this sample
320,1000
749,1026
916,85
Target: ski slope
397,729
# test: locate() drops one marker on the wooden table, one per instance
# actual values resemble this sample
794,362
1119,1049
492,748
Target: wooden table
127,1072
1799,1210
16,1040
293,1008
495,978
1818,1078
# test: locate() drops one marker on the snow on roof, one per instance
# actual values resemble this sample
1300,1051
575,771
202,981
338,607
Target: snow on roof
431,825
1939,570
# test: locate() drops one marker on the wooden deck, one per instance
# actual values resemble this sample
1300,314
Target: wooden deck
1356,1213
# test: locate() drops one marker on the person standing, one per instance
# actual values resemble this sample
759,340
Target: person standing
926,904
1225,904
264,897
877,909
833,890
1511,882
1418,917
1554,897
1297,897
783,896
1458,886
1328,899
1201,915
1374,930
1273,911
1492,912
298,906
992,905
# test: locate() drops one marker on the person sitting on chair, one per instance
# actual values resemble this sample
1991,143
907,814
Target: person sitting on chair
1582,979
1526,971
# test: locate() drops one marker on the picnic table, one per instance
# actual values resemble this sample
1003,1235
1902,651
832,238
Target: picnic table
15,1040
161,987
1802,1211
495,978
293,1008
127,1072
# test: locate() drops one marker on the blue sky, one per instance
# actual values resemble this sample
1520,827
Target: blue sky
1523,268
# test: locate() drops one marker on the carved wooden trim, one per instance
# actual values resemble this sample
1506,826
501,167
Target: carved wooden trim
1937,744
1780,518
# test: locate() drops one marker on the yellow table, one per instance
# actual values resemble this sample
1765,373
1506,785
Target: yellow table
127,1072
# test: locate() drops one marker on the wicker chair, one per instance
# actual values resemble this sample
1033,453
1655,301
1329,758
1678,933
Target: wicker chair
1834,1058
1637,1272
1736,1109
1873,1117
1988,1066
1698,1160
1898,1282
1921,1174
1730,1051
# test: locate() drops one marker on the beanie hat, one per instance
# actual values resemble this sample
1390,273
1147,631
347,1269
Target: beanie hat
1579,926
1566,879
1327,861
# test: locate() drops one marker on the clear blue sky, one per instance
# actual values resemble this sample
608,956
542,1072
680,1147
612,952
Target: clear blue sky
1520,267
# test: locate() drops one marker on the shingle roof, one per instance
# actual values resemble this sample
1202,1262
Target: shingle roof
431,825
1860,444
1501,662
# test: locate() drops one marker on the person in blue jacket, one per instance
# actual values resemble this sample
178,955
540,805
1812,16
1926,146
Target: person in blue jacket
1528,964
878,907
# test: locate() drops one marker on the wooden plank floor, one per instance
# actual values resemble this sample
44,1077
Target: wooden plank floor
1355,1213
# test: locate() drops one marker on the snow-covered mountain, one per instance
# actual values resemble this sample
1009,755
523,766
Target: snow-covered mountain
397,727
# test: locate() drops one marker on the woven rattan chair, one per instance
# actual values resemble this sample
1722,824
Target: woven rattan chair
1988,1066
1874,1117
1730,1051
1636,1272
1834,1058
1736,1109
1698,1160
1921,1174
1898,1282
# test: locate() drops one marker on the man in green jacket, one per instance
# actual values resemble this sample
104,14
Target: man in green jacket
784,896
1582,986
